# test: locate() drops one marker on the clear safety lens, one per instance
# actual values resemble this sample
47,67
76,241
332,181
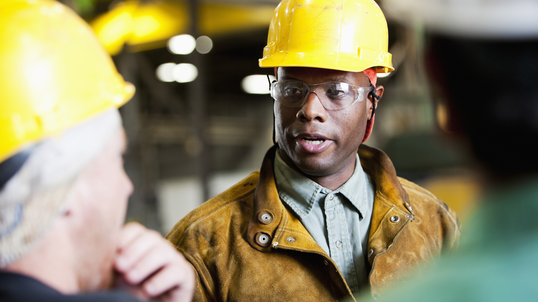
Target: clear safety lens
333,96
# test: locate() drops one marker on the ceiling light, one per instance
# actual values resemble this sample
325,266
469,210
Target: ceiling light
182,44
204,44
165,72
256,84
185,72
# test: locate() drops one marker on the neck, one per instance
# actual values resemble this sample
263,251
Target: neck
334,181
50,263
331,181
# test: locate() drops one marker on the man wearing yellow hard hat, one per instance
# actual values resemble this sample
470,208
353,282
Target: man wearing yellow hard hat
482,57
325,217
63,190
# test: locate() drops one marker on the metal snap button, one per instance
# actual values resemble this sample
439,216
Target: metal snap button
395,219
338,244
290,239
263,239
265,217
370,253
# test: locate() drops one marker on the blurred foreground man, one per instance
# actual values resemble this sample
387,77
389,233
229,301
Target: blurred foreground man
63,190
323,218
483,56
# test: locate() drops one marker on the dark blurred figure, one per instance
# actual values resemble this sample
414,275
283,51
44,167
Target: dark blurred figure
483,60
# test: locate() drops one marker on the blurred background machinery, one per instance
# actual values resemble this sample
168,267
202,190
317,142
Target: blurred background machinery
201,118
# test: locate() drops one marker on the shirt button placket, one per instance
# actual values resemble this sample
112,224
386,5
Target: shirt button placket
338,244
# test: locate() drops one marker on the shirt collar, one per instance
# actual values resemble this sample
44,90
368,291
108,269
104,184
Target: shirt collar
301,193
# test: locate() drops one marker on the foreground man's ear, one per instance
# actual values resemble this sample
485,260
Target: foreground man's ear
371,112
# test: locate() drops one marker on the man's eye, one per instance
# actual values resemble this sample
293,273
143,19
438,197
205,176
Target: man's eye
292,91
337,91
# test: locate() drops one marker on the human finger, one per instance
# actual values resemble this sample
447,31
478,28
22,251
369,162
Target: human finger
174,282
138,242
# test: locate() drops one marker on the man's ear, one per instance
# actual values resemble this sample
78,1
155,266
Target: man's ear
379,92
447,116
371,112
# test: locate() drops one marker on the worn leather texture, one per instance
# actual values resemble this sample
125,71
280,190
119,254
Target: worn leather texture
246,246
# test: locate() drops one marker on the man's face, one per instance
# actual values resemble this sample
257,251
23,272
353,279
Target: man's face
102,190
316,141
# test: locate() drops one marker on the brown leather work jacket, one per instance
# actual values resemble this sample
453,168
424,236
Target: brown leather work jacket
246,246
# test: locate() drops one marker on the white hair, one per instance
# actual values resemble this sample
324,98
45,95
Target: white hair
37,193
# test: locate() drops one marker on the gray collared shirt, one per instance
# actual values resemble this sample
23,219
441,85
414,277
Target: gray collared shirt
339,220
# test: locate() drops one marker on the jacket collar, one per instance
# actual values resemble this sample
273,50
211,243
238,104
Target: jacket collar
379,166
270,221
392,209
301,193
272,226
267,209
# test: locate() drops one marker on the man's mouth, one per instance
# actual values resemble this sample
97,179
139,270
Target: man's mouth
313,141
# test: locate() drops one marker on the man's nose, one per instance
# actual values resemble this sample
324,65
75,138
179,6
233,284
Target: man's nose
312,109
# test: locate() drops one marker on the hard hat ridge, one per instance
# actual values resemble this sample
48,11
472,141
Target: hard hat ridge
348,35
54,73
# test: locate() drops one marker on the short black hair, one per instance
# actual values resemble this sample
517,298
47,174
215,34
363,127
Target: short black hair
492,86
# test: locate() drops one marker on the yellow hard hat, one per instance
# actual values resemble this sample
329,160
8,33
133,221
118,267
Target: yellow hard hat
53,73
347,35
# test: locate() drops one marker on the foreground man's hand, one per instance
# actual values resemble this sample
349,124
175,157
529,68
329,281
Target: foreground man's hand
151,268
